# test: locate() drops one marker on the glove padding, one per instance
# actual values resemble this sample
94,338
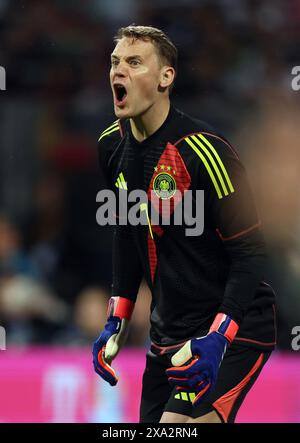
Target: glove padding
107,346
112,338
203,357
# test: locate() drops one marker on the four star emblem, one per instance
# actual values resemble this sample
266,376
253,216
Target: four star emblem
164,167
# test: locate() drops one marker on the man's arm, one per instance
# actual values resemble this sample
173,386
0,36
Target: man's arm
235,219
231,212
127,276
127,269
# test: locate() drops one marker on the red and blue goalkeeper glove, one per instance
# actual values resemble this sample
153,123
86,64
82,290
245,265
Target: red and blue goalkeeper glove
201,359
108,344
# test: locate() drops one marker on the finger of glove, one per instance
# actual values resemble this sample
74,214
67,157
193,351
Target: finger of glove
105,370
106,376
97,346
195,367
196,386
203,393
184,388
194,389
95,353
187,382
181,371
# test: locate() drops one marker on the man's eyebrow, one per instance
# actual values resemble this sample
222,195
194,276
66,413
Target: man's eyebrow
130,57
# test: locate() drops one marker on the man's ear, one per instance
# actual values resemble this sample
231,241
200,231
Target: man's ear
167,76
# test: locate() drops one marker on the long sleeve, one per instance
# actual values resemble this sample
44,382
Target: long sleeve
233,214
127,269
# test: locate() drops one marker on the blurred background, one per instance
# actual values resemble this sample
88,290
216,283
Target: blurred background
235,63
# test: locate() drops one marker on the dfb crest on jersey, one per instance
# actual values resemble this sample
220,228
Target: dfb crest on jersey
164,185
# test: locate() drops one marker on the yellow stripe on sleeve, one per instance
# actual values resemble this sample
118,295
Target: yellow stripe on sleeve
219,161
212,162
110,129
206,164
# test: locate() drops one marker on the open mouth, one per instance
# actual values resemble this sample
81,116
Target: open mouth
120,92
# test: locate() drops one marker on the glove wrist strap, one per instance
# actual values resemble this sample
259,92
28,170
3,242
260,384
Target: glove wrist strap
120,307
223,324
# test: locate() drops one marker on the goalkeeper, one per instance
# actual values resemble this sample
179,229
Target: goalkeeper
212,315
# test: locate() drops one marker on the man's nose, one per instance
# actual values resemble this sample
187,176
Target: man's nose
120,69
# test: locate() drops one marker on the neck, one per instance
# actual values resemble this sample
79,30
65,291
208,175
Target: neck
144,125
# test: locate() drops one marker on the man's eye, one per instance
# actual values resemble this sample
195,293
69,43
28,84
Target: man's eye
134,62
114,62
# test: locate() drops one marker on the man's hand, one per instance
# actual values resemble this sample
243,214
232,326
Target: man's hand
196,364
108,344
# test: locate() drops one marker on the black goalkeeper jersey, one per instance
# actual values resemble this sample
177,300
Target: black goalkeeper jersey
191,278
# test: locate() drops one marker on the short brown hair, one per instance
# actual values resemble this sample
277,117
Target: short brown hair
167,51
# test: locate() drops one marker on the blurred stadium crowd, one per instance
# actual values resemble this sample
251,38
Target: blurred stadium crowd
235,61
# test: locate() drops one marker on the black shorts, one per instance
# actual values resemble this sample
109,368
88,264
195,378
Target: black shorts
238,372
